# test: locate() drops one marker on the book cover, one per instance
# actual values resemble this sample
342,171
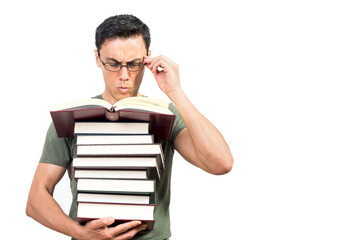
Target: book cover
115,198
111,128
96,139
121,212
110,173
121,186
161,119
126,150
151,164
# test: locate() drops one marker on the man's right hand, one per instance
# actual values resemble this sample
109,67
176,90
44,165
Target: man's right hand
98,229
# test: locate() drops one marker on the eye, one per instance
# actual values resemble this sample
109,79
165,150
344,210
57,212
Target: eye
134,64
113,64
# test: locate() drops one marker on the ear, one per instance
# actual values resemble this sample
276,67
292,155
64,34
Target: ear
97,58
149,53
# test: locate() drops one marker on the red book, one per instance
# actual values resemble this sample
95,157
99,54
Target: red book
133,109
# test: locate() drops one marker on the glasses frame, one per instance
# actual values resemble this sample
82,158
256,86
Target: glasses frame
121,66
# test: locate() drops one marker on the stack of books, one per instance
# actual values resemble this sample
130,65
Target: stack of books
119,158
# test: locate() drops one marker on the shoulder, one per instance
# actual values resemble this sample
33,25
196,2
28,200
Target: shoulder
173,108
179,123
98,96
57,150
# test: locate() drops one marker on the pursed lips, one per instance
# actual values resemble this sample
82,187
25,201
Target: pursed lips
123,89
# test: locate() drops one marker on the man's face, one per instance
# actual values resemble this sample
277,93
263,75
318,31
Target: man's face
121,84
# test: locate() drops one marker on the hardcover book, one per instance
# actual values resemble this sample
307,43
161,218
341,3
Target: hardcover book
110,173
151,164
111,128
95,139
122,186
120,211
141,109
112,150
115,198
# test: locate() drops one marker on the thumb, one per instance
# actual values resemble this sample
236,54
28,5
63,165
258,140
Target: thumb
100,223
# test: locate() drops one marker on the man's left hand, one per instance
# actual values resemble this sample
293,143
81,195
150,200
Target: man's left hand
166,73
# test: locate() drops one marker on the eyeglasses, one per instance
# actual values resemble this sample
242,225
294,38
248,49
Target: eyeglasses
133,66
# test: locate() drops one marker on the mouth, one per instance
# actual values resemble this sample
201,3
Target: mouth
123,89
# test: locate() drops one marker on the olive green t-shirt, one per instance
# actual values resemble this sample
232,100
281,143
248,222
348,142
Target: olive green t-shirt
60,151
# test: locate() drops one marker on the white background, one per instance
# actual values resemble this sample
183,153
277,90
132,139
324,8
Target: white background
279,79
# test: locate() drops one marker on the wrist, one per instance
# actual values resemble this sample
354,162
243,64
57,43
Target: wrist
176,95
77,231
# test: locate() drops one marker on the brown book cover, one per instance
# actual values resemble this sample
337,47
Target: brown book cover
131,109
160,124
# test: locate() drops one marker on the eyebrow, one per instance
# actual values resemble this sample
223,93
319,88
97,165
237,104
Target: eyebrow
116,61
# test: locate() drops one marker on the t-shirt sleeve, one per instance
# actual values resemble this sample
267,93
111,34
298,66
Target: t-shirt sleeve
56,150
178,124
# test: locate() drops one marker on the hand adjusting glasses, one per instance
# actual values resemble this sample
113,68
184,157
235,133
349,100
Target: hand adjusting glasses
115,66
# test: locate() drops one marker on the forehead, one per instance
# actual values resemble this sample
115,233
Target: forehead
124,49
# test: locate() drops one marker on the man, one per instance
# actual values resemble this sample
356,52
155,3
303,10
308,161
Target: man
122,52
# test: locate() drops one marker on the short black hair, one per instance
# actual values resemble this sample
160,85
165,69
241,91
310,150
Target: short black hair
121,26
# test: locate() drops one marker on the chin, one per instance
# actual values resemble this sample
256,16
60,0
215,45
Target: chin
126,95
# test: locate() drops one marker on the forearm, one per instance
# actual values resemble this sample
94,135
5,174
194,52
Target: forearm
43,208
201,143
210,146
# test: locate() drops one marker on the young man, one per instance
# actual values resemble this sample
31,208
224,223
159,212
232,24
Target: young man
122,53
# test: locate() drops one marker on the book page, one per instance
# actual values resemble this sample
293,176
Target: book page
143,103
83,104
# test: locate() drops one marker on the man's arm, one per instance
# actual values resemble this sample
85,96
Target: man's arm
200,142
42,207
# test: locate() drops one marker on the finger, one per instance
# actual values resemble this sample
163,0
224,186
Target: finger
149,64
155,70
121,228
153,60
148,59
158,63
100,223
131,233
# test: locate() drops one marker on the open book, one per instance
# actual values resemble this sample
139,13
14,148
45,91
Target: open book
132,109
138,103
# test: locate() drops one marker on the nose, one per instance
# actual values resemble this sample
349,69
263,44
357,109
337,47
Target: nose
124,73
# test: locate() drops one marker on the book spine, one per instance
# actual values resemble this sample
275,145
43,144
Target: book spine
112,115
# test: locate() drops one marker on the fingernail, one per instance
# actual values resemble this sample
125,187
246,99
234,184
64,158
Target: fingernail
110,220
